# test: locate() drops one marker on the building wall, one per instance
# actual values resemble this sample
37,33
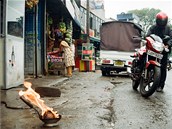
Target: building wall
14,43
2,38
97,15
96,7
100,13
128,17
14,61
1,62
95,21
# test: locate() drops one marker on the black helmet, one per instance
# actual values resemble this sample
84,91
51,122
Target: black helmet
161,19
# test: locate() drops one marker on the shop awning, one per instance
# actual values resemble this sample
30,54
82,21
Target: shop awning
96,42
95,39
67,10
74,11
70,10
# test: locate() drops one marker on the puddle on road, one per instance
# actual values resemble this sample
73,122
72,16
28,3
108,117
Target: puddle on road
48,91
115,83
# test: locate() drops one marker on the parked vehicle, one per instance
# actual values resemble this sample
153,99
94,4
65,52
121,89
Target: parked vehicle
145,69
117,42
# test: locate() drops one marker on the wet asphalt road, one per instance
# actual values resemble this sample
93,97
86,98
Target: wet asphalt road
90,101
135,112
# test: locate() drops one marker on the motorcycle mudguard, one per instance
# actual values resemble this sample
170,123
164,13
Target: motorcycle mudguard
153,63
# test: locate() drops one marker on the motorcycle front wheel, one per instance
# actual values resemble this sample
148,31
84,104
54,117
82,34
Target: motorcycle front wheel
135,84
169,66
149,85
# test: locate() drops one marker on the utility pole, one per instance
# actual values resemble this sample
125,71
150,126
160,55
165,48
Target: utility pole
36,53
88,21
88,30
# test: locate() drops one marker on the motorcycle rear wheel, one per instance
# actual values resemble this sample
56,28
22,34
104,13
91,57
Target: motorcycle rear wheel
148,86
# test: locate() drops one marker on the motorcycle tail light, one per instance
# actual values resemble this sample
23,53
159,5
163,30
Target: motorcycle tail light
129,63
106,61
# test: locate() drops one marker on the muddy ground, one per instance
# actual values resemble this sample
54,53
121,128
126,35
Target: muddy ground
85,103
90,101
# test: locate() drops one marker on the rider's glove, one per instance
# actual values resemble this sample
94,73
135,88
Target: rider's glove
166,49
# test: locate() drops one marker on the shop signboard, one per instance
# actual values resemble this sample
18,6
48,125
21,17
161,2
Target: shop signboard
99,4
94,4
87,51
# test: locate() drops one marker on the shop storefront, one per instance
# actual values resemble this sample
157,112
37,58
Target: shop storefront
29,33
62,19
53,19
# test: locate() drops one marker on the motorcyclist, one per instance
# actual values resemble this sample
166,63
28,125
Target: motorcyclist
162,29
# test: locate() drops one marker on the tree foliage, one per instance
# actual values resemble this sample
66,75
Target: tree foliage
146,15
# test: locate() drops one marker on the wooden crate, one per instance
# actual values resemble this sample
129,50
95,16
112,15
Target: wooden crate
58,68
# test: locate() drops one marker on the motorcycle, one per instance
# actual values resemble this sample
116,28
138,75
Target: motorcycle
145,68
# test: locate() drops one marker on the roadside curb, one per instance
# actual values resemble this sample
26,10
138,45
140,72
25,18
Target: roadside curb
58,82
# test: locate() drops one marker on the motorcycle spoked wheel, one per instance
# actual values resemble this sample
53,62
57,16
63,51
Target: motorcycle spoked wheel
135,75
169,66
148,86
135,84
